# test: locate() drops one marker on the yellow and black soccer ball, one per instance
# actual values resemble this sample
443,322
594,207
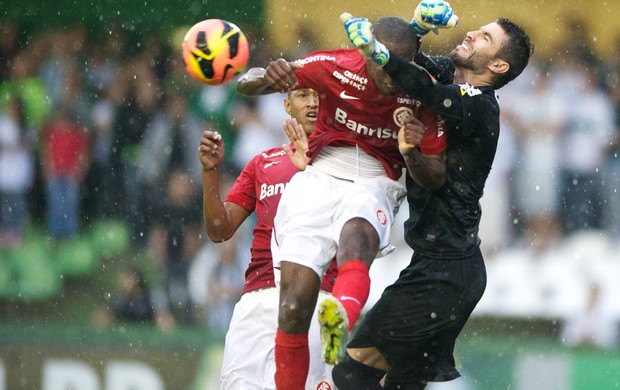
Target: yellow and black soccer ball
214,51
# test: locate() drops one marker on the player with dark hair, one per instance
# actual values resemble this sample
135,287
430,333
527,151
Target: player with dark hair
407,338
344,202
248,361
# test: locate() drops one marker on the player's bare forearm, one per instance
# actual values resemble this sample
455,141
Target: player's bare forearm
279,76
211,154
215,213
429,171
253,83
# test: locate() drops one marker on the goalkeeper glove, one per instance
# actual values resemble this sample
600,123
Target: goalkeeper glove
360,34
432,15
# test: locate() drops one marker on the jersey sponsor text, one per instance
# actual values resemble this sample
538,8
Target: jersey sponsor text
315,58
271,190
350,78
380,132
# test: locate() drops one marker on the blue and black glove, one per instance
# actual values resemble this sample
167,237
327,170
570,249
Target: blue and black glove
433,15
360,34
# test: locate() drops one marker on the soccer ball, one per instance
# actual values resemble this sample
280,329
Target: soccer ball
214,51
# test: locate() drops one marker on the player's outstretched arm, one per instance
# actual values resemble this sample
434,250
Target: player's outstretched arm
431,15
359,31
279,76
253,83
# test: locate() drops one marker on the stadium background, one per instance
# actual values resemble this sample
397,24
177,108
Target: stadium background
45,341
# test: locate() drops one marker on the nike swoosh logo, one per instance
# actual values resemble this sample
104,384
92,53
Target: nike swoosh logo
439,133
270,164
344,95
348,298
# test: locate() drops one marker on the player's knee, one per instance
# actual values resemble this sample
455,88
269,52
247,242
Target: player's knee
295,315
353,375
358,240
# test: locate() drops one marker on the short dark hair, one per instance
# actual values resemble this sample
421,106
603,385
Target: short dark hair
398,35
516,49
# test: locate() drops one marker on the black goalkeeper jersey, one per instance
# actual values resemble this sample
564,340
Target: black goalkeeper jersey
444,223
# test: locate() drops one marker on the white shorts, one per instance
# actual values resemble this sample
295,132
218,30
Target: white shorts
315,206
249,360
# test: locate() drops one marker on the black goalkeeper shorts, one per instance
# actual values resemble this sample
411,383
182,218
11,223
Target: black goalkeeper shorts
416,321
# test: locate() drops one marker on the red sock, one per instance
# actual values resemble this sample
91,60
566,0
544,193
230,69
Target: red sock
292,361
352,288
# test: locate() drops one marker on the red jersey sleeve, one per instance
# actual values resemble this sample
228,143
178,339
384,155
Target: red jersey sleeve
317,70
243,192
435,140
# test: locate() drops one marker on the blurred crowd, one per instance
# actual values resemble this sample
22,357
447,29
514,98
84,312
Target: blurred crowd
106,126
557,167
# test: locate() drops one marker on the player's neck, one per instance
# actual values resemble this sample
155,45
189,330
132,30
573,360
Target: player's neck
462,76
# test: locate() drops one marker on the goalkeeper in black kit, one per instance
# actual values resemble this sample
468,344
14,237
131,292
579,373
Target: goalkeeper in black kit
407,339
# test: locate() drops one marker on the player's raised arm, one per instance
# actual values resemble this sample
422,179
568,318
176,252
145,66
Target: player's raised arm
222,219
412,78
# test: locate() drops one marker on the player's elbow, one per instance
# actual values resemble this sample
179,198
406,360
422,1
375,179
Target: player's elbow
434,182
437,176
216,239
245,88
252,83
217,235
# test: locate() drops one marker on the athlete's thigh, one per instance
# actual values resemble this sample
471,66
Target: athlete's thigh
375,200
303,226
